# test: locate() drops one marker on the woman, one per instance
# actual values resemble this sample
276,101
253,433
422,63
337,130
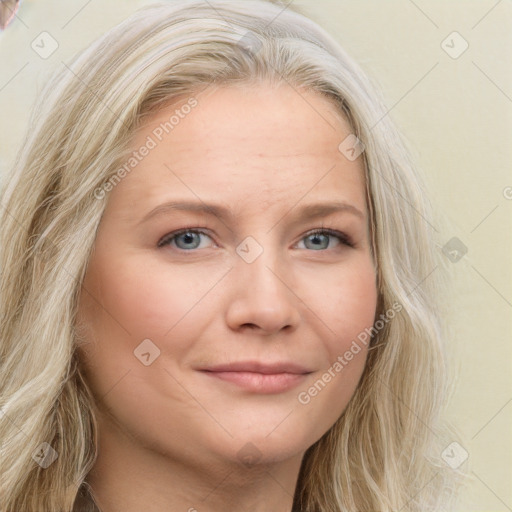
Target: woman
290,358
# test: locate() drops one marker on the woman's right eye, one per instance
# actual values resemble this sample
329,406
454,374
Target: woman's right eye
184,239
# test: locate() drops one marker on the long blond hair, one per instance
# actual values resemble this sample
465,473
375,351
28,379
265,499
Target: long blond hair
384,452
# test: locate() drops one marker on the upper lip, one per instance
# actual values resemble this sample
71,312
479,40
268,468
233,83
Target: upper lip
259,367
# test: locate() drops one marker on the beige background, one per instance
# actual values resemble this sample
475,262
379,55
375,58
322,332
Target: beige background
457,117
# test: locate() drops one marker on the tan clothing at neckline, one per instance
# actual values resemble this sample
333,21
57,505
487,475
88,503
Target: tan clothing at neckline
84,501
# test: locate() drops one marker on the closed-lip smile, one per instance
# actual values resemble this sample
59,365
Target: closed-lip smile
259,377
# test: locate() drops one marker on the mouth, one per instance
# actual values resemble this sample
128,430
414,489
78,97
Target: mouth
260,377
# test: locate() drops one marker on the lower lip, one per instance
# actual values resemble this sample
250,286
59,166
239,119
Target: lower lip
259,382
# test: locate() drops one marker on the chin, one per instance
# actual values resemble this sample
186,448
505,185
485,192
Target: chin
260,448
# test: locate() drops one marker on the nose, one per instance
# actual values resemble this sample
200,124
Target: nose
262,299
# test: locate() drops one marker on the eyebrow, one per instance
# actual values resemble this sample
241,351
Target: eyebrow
314,210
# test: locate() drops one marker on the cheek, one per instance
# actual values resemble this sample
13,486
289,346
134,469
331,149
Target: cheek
347,301
130,300
348,305
146,300
127,303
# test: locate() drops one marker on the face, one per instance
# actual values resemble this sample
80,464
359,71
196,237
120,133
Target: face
275,276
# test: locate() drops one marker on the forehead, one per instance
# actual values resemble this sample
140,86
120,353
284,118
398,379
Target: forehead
238,144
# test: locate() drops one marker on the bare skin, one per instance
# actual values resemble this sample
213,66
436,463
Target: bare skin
173,436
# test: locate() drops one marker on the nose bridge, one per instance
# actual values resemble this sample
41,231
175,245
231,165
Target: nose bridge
263,263
262,297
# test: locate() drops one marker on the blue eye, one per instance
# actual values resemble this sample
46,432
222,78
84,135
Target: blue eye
320,238
186,239
190,239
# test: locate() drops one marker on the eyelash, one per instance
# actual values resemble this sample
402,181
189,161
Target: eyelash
342,237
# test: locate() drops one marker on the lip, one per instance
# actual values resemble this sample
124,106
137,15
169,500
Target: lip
260,377
259,367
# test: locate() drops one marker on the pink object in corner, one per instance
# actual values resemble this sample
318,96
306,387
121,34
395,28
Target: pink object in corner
8,9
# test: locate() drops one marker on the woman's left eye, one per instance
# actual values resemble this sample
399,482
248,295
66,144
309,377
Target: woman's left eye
189,239
320,238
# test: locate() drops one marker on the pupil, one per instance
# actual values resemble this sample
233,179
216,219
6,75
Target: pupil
316,239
